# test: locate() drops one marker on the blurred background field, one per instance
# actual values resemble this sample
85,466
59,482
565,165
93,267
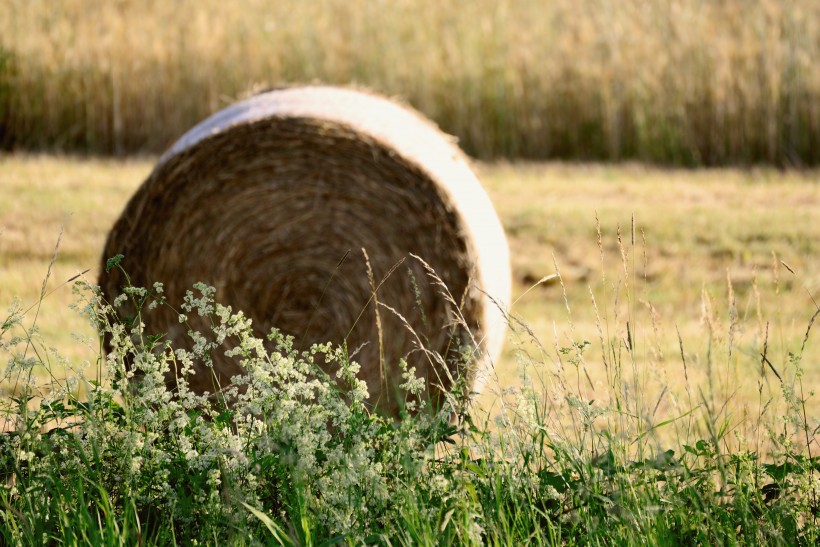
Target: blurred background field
685,82
697,233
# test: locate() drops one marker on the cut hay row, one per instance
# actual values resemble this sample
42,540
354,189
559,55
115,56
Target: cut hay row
323,211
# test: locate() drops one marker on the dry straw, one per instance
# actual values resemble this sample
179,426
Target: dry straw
323,211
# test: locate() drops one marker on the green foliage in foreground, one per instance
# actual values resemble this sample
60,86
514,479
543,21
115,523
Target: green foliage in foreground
299,458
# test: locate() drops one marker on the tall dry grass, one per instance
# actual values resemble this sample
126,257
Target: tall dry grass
677,81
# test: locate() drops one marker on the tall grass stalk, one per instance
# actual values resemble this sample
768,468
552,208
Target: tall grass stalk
695,82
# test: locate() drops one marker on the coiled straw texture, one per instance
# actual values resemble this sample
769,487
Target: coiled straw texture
324,212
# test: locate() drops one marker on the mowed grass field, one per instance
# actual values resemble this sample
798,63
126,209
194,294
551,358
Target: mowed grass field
723,262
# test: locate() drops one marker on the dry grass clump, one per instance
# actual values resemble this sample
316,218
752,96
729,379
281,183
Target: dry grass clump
695,82
333,215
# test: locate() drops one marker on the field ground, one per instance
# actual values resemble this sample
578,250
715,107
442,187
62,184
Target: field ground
719,255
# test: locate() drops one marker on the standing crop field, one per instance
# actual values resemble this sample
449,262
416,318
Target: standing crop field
680,82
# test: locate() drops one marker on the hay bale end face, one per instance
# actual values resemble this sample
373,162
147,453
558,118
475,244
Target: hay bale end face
272,200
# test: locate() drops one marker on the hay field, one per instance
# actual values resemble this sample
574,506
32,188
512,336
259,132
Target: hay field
692,82
694,231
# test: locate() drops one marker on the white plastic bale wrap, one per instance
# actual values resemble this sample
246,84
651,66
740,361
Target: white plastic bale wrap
272,200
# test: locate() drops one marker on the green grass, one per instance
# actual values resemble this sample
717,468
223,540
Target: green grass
298,458
685,83
633,403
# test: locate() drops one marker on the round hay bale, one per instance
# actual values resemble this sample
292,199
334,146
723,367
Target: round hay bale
272,200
